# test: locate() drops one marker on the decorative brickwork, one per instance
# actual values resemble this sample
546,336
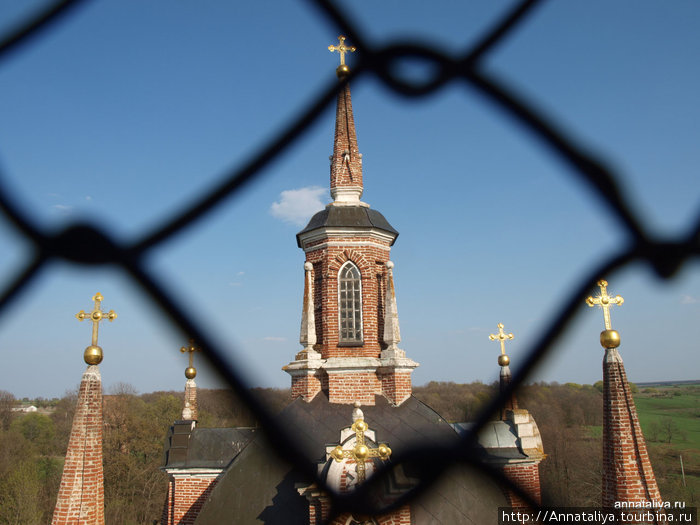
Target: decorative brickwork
187,493
81,494
627,472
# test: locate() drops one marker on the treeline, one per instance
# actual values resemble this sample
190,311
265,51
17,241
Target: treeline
33,445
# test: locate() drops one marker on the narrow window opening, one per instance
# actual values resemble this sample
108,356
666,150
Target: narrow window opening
350,304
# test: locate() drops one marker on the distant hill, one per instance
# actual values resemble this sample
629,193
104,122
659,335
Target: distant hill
669,383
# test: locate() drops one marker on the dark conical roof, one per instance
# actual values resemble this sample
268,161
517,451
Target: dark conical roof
348,216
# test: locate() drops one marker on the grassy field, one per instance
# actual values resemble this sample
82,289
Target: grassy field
670,419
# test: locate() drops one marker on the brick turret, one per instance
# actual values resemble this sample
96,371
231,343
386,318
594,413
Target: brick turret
627,473
349,299
514,441
81,493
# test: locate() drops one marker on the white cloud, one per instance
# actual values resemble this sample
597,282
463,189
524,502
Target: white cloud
275,339
62,209
688,299
297,206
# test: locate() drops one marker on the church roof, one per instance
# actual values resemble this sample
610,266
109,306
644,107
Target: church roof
259,488
186,447
348,217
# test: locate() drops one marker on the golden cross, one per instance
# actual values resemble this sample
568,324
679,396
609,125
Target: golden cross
342,49
191,350
502,338
605,302
96,316
361,453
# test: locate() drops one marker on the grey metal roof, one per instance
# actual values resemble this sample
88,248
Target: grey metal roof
259,488
348,216
203,447
498,438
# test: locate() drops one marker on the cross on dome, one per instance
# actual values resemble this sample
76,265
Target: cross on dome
501,337
191,371
93,353
360,453
341,48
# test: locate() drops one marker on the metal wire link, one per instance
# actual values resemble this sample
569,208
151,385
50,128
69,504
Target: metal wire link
665,256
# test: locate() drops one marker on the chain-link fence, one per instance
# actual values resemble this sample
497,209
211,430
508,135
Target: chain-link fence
88,244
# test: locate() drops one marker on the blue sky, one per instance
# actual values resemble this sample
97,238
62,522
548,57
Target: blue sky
128,110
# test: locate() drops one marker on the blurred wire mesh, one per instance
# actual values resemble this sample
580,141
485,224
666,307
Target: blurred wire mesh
89,245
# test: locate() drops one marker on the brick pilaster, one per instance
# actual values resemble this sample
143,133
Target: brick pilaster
191,401
187,493
81,493
627,472
527,477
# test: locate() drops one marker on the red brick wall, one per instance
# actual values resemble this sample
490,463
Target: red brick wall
370,260
348,387
527,477
81,493
306,385
627,472
186,497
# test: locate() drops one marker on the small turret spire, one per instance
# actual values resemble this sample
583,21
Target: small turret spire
392,333
505,376
190,410
308,322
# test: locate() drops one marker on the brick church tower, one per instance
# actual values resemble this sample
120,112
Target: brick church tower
81,493
627,473
349,318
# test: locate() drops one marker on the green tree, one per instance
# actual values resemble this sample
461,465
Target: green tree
37,429
19,494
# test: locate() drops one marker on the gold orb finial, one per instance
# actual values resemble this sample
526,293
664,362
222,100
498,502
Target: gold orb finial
93,355
609,339
503,360
190,372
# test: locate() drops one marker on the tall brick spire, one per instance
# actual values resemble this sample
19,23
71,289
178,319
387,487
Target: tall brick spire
81,494
346,161
627,472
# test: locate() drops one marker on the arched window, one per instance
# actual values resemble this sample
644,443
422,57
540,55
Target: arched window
350,303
